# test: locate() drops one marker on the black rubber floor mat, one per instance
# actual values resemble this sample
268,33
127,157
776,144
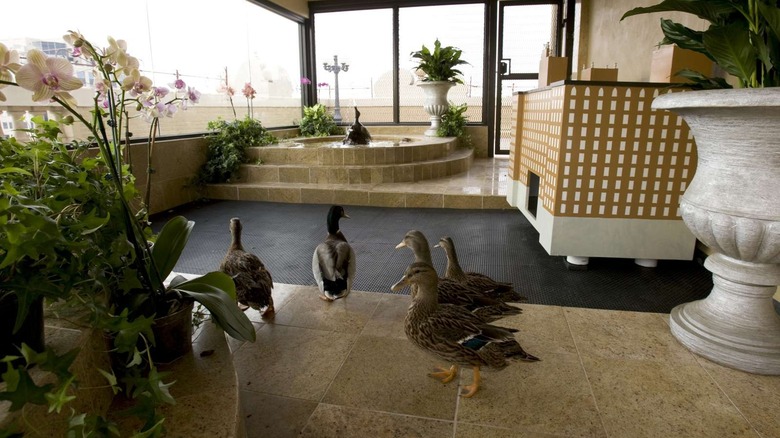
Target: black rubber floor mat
499,243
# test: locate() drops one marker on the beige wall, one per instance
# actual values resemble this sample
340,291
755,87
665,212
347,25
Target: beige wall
605,40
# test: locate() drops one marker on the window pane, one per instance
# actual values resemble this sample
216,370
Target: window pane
527,29
158,33
459,26
363,40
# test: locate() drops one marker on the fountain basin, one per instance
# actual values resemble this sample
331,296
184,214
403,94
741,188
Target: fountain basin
330,151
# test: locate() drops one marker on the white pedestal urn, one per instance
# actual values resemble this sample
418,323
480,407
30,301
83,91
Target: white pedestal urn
436,103
733,206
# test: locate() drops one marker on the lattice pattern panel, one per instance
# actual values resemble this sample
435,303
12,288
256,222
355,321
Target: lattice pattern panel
620,158
539,135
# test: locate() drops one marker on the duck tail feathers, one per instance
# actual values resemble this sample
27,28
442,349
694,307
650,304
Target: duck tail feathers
512,349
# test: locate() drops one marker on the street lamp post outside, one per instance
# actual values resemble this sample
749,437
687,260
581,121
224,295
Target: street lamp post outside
336,68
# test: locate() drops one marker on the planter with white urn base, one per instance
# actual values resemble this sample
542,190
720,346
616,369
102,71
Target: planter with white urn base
733,206
436,103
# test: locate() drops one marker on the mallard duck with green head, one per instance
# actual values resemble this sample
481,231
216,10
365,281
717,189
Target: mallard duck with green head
452,333
333,262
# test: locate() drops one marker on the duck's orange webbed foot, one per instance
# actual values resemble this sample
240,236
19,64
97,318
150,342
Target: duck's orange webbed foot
445,375
470,390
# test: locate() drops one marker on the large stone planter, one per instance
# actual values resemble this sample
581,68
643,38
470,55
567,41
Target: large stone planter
733,206
436,103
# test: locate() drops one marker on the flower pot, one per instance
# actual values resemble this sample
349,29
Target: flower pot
31,332
733,206
436,103
173,334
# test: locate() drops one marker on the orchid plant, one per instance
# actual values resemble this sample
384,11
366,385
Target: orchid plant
137,291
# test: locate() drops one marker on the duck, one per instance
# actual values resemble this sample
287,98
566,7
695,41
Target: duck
452,291
254,284
333,263
452,333
500,290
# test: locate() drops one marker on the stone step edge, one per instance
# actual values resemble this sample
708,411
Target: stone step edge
303,193
454,156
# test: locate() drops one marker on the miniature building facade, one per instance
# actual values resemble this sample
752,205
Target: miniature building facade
599,173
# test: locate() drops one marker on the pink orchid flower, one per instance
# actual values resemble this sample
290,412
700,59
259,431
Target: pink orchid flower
178,84
47,77
193,95
305,81
248,91
160,92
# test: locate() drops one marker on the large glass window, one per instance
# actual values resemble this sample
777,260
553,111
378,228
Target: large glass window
363,40
460,26
203,44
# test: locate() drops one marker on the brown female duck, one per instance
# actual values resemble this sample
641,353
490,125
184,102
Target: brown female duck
252,279
452,333
452,291
499,290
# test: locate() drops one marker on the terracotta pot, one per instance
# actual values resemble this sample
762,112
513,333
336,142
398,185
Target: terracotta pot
173,334
733,206
31,332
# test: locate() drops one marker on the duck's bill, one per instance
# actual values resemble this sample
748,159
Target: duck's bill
401,245
402,283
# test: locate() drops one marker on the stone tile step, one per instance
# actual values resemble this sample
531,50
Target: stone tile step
374,195
457,162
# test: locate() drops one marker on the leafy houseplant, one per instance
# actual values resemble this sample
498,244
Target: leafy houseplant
743,38
318,122
439,74
732,205
439,64
227,143
85,207
453,124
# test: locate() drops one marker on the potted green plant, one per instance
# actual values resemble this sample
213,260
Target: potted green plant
227,142
733,203
124,286
439,74
318,122
453,124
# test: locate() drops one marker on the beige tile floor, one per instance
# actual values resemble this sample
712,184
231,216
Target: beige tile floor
345,369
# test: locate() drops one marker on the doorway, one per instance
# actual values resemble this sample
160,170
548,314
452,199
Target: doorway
525,29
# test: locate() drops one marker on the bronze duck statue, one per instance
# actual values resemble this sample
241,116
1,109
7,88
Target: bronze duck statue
452,333
357,134
333,262
253,281
451,291
499,290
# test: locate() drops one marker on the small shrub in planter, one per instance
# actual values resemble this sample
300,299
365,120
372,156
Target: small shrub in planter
227,143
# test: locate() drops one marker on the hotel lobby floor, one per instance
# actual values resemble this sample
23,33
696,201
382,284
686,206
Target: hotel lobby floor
346,369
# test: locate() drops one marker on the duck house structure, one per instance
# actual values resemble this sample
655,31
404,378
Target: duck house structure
599,173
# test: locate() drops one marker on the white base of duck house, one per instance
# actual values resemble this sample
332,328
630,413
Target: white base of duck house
645,240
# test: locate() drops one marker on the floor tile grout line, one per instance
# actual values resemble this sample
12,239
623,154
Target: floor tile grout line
400,414
726,394
697,359
351,348
585,371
